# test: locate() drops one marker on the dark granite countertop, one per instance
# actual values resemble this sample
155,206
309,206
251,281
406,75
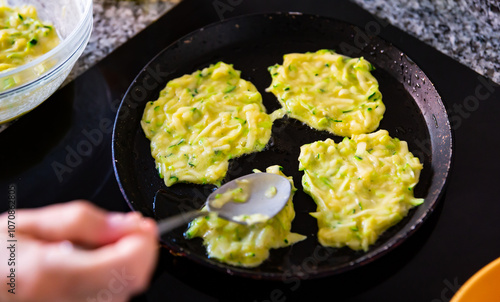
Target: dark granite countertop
115,22
467,31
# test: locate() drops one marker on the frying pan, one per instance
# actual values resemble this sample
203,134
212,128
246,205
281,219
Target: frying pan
415,113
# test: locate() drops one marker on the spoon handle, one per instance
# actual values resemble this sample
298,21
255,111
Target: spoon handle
168,224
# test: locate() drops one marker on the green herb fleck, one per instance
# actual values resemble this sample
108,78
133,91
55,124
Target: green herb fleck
242,121
180,142
326,181
229,89
373,96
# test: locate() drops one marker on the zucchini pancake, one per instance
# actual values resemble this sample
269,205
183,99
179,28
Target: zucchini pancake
201,121
246,245
328,91
362,186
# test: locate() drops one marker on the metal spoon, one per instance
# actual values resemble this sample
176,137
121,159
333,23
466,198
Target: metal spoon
259,201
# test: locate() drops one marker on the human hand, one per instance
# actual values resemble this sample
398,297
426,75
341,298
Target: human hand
78,252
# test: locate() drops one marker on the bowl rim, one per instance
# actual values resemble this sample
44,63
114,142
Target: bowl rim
475,281
79,27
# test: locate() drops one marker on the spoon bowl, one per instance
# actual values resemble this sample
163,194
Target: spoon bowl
246,200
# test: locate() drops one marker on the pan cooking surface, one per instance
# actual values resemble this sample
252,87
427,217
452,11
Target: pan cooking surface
252,43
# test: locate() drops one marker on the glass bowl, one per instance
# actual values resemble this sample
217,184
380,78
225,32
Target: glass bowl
27,86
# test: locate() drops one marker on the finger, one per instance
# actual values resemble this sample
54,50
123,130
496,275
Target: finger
115,270
79,221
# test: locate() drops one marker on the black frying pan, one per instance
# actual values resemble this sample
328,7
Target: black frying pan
415,113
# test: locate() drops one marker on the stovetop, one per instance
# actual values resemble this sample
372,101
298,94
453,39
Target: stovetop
61,151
